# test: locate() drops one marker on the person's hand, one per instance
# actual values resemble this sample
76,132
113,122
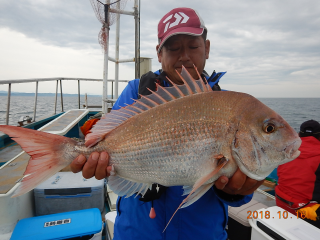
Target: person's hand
96,165
239,183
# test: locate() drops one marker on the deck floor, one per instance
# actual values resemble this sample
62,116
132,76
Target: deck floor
262,198
11,173
9,152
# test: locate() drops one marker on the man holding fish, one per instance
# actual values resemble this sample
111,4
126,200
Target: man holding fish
181,137
182,42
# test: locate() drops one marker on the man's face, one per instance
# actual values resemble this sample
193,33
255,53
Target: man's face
183,50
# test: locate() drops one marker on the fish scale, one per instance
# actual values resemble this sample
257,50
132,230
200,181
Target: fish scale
141,146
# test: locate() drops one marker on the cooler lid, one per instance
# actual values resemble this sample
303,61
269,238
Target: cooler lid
59,226
284,224
69,180
243,213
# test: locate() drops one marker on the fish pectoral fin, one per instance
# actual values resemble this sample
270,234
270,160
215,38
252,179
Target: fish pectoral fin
199,188
219,156
197,194
121,186
186,190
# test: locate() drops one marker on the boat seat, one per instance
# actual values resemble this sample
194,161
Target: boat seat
64,123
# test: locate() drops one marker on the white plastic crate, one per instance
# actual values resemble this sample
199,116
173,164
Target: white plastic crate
277,223
67,191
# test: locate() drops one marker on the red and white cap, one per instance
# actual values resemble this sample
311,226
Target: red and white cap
179,21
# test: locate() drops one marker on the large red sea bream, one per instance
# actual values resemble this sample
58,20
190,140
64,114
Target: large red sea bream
184,135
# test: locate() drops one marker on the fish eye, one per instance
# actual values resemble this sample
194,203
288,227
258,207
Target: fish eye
269,128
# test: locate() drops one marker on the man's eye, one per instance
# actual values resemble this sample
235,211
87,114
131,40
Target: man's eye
193,47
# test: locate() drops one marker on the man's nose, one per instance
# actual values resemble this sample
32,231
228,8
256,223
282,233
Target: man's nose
184,55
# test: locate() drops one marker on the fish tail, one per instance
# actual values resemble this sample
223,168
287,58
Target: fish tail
47,152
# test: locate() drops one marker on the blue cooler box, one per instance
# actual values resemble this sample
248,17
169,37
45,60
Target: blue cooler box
66,225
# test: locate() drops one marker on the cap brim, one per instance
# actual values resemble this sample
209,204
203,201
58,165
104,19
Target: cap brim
184,30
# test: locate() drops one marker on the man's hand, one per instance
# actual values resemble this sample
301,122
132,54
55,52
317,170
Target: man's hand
239,183
96,165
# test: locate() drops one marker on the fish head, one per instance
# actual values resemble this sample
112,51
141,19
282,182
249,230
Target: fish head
263,141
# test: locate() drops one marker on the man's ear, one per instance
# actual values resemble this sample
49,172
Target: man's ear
159,54
207,48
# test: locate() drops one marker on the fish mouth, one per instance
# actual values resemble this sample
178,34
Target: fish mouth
291,151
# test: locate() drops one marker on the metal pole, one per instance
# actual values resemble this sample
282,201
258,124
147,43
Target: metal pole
79,93
114,10
8,104
61,97
116,76
137,38
55,103
105,65
112,96
86,100
35,102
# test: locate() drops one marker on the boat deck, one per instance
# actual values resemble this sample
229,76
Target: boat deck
262,196
12,172
9,152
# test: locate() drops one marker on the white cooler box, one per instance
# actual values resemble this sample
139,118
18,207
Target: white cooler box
238,224
67,191
276,223
84,224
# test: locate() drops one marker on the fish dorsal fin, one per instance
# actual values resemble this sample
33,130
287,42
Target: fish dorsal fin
163,95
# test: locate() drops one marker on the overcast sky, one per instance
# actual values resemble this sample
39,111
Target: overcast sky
269,48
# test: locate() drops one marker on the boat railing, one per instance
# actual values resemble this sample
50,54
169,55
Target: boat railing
59,81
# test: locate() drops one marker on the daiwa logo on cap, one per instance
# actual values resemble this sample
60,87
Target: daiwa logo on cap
179,21
178,18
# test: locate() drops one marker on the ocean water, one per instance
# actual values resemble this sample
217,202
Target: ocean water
21,106
294,110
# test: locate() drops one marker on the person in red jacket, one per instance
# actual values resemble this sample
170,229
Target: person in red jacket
298,189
